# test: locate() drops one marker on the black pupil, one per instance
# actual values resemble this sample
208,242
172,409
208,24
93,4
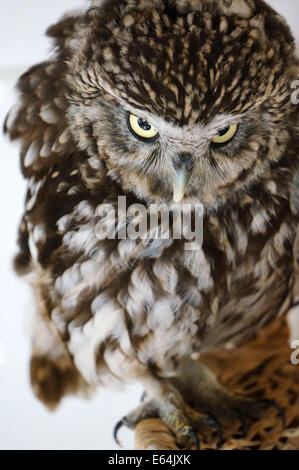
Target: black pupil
144,125
223,131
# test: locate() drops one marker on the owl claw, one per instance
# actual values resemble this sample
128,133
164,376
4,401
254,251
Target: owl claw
116,429
193,436
214,422
208,421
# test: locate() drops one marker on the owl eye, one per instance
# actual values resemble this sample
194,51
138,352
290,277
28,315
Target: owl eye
141,128
225,135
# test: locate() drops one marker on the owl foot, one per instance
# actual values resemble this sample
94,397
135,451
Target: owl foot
181,419
201,390
194,401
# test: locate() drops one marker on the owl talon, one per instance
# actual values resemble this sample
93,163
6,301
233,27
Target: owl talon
193,437
116,429
215,423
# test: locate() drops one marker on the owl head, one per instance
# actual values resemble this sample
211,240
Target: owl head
182,100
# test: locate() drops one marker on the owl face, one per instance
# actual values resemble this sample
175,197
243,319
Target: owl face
180,104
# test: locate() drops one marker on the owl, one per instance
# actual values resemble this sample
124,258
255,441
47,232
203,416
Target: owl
157,101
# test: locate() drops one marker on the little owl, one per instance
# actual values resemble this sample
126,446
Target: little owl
158,101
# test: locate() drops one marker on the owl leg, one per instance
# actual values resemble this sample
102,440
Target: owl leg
52,372
164,401
201,389
193,401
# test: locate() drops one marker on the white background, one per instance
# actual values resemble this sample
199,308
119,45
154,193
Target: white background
24,422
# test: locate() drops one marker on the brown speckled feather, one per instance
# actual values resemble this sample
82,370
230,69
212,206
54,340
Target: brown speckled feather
112,311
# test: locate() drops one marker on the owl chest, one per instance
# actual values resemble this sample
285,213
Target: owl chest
163,308
247,297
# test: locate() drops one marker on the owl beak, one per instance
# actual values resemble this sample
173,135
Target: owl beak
180,183
183,165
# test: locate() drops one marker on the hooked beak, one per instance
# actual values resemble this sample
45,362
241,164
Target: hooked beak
179,184
182,173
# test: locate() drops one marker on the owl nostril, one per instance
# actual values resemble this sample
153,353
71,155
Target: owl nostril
184,159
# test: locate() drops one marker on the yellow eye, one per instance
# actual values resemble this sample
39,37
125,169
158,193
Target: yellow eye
225,135
141,128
